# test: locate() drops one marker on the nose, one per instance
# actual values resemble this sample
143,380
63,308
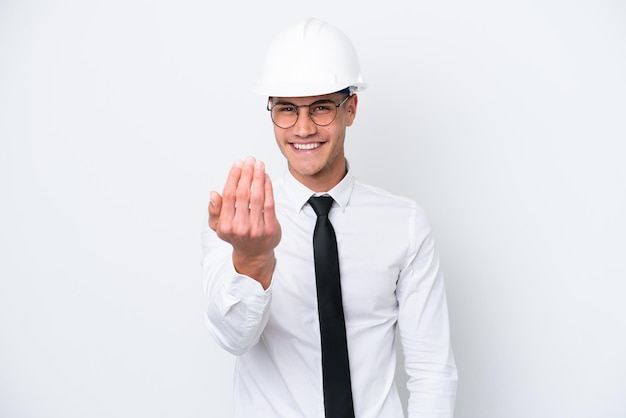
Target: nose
304,124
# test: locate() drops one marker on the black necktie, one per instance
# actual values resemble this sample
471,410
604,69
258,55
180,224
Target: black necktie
335,367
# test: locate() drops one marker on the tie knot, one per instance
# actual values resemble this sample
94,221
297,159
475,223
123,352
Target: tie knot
321,204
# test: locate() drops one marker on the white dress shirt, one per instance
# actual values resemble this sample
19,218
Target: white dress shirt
390,281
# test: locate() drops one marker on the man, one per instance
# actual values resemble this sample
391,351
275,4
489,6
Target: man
262,267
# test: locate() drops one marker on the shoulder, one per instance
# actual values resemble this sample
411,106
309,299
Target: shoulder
369,195
382,203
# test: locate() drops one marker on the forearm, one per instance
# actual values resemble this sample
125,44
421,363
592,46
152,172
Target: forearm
432,386
425,334
237,305
429,360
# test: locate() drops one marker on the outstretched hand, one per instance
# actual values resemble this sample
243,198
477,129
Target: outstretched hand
244,216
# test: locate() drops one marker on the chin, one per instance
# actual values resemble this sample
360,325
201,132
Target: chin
305,170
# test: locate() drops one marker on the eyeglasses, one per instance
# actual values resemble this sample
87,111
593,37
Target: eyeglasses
322,113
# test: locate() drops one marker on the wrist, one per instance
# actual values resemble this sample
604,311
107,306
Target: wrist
260,267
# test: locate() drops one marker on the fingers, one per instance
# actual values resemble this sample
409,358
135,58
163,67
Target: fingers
230,190
269,214
242,195
243,200
257,194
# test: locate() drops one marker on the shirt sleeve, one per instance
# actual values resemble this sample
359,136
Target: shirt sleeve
424,327
237,306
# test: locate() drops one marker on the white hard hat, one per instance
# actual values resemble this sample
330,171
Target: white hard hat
310,58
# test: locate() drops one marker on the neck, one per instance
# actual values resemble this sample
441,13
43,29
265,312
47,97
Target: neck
320,183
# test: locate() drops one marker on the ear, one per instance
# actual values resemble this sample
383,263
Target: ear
351,109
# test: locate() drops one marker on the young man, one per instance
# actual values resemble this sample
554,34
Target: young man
264,276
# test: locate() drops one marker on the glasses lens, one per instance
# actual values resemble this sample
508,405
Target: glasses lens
284,115
323,112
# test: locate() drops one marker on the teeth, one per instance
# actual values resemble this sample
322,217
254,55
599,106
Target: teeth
307,146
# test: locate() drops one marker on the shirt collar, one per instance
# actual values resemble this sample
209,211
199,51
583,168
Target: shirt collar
299,194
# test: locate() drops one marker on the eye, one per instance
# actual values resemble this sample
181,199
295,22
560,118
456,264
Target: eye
322,107
285,108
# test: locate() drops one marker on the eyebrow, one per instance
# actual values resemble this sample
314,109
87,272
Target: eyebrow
283,102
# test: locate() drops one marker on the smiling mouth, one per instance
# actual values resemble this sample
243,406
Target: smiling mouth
307,147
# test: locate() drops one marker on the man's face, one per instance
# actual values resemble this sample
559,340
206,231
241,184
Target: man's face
315,154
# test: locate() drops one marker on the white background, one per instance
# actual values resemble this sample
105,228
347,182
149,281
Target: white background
505,120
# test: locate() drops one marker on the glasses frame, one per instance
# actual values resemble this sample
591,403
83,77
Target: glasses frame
297,107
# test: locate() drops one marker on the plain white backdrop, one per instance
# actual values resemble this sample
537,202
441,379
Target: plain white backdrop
505,120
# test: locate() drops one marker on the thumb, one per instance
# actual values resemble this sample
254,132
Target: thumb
215,207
